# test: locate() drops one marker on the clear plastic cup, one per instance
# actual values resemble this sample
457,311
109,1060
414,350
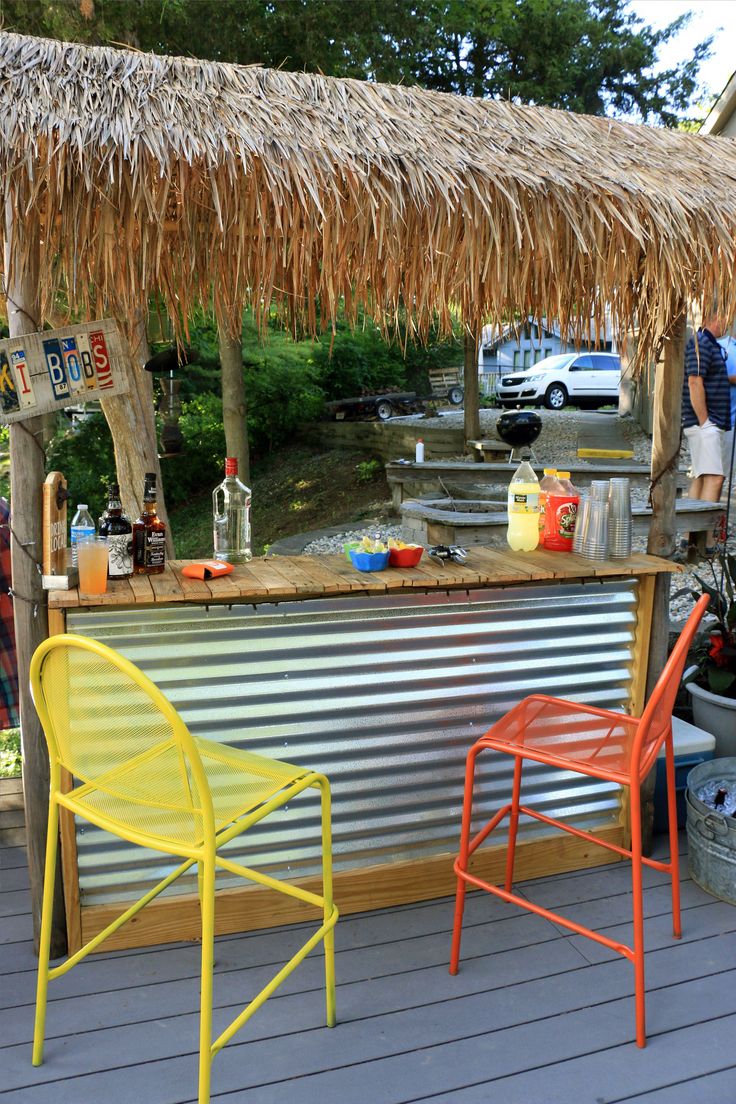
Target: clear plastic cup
92,564
581,523
619,519
595,543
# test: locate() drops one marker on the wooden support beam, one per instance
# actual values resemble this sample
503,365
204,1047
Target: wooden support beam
27,463
666,436
470,383
663,528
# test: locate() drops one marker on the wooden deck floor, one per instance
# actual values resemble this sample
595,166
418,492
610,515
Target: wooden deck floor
534,1015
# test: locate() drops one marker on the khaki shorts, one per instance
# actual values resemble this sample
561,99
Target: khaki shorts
706,451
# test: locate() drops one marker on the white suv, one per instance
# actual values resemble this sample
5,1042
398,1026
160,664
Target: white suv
580,378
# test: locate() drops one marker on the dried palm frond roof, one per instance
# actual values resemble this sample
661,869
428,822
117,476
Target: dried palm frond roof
140,173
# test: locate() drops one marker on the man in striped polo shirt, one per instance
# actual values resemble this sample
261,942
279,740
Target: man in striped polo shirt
706,408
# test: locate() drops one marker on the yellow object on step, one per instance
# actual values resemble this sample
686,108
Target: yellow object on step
141,775
605,454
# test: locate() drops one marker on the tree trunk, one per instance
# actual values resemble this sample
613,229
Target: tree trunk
470,383
627,387
27,474
234,405
133,427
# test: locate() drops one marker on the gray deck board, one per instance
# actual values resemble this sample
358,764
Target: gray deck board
536,1013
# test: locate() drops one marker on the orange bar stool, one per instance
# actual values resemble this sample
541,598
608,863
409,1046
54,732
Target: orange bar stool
601,744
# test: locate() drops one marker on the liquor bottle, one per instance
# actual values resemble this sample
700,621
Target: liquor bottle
115,527
149,534
231,517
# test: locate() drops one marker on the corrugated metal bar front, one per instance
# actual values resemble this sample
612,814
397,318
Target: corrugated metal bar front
384,696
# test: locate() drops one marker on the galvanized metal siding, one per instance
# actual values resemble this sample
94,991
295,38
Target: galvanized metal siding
383,695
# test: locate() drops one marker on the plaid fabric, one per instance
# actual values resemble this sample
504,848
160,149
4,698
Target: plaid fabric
9,717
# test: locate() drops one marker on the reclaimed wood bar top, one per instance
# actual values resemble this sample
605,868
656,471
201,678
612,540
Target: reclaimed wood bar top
290,578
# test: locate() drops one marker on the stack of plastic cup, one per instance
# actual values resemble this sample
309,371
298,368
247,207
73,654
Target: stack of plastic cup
595,535
581,522
619,519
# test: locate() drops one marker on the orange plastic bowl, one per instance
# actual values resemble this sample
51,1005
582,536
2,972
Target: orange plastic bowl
405,557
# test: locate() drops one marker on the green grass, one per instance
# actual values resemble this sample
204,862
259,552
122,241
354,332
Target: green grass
10,753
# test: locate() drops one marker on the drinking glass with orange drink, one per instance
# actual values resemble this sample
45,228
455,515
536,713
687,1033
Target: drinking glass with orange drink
92,563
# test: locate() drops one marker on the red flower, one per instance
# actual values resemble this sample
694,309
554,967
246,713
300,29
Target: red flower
716,649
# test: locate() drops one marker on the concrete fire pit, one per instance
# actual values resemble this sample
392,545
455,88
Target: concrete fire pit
467,522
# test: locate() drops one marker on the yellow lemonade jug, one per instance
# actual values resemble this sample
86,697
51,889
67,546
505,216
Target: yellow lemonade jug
523,509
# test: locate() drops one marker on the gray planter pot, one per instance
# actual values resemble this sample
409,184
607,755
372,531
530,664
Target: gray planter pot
716,715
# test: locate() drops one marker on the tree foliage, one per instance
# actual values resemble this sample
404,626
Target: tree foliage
592,56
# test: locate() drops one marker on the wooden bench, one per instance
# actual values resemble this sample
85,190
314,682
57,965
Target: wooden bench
488,450
409,480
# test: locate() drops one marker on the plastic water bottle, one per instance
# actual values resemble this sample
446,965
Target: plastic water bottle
82,526
231,517
523,509
419,452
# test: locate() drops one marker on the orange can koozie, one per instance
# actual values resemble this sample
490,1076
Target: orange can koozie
559,521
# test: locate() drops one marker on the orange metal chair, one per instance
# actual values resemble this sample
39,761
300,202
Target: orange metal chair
601,744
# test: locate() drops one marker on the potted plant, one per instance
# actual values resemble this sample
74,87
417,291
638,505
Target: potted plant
711,681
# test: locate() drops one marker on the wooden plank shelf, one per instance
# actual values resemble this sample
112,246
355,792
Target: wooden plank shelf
285,578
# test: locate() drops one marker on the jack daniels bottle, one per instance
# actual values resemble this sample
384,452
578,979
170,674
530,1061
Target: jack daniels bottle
149,534
115,527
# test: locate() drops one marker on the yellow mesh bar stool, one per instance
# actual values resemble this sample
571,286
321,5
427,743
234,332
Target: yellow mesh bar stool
140,774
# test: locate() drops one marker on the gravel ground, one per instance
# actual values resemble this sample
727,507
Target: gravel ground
556,445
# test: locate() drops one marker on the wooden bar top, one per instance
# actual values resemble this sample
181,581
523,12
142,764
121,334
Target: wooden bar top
287,578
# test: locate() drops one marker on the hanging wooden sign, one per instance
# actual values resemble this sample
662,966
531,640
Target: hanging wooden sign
45,371
54,524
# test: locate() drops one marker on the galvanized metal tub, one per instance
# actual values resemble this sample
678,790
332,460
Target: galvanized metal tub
711,836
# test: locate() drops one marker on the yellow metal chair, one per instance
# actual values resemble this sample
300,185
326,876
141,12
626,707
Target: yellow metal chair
141,775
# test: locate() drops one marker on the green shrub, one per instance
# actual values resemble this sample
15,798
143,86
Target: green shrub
85,455
282,395
368,470
200,464
10,757
4,464
362,361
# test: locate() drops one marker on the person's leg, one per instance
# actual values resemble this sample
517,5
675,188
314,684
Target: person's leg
695,489
706,445
712,485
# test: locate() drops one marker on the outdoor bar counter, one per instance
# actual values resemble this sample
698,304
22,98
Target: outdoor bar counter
381,681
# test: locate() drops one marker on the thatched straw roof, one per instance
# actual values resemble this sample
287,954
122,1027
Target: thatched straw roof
142,173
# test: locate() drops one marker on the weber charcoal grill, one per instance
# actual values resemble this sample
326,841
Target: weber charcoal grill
520,429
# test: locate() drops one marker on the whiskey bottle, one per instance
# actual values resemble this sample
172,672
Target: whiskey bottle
115,527
149,534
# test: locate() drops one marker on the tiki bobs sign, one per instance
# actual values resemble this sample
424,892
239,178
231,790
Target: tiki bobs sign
44,371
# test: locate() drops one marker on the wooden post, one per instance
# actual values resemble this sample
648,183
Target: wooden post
470,383
666,435
234,405
663,528
31,626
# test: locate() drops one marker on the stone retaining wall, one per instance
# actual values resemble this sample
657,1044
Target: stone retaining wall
386,440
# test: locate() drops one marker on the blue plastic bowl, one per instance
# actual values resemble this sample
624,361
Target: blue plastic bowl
369,561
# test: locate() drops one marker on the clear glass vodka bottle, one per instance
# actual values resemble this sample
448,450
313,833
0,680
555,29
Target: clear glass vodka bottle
231,517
